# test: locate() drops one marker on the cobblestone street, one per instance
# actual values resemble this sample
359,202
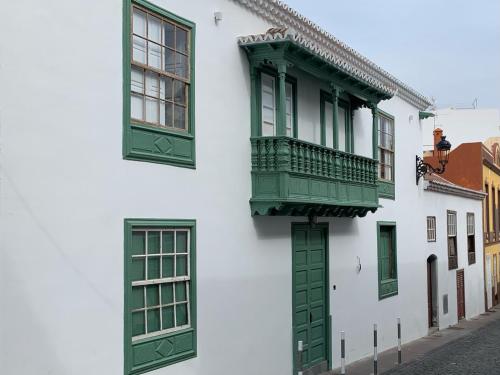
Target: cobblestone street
476,353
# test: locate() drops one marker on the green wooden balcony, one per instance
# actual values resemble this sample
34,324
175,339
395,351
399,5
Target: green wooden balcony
297,178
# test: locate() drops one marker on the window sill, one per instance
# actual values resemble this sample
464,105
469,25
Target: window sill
153,144
386,189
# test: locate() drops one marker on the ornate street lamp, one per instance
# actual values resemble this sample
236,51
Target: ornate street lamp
443,150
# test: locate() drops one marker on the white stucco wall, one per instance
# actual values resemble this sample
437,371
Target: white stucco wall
437,204
65,191
462,125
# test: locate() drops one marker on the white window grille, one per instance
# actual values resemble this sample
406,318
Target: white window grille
431,228
161,281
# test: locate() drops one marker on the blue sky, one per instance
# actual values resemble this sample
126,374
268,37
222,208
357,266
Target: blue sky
446,49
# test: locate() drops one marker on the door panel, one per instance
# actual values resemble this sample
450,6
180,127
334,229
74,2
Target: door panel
310,306
460,294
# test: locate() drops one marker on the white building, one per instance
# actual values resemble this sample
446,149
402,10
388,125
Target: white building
455,252
462,125
127,240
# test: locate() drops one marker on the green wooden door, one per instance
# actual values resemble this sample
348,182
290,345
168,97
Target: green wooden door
310,296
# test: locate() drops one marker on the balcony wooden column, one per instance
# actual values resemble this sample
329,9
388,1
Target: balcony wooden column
255,129
335,104
374,109
281,123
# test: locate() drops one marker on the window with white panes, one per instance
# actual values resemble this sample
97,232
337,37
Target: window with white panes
452,239
160,270
386,147
471,238
268,84
269,98
431,228
160,72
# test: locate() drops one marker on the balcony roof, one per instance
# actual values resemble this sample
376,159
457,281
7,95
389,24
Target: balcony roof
284,44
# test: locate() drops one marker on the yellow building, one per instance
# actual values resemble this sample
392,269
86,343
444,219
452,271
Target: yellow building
491,219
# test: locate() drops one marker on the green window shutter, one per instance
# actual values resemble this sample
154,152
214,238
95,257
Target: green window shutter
158,85
160,293
387,259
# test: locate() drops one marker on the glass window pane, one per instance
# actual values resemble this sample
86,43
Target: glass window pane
152,295
181,242
182,65
267,130
268,99
169,87
139,22
181,313
181,43
138,243
169,114
181,266
180,117
329,124
153,242
154,268
138,271
168,242
154,28
153,320
152,84
169,61
152,110
138,325
180,92
162,113
168,317
180,292
137,80
137,106
168,266
169,34
268,115
154,55
167,293
137,299
139,50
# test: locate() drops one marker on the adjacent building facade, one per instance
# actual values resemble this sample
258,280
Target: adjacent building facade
455,252
201,187
477,166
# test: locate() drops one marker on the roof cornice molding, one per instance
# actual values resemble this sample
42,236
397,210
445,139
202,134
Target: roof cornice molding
441,187
281,15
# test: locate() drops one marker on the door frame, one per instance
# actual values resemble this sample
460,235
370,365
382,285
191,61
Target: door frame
328,326
432,291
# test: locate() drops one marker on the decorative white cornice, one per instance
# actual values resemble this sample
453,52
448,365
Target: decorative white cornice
284,34
281,15
452,189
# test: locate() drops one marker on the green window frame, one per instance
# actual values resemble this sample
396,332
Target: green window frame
158,85
387,259
289,80
386,149
160,293
345,105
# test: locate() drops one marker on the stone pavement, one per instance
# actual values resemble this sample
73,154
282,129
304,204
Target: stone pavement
469,348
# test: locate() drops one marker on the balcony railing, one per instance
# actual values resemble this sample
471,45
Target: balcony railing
293,177
472,257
